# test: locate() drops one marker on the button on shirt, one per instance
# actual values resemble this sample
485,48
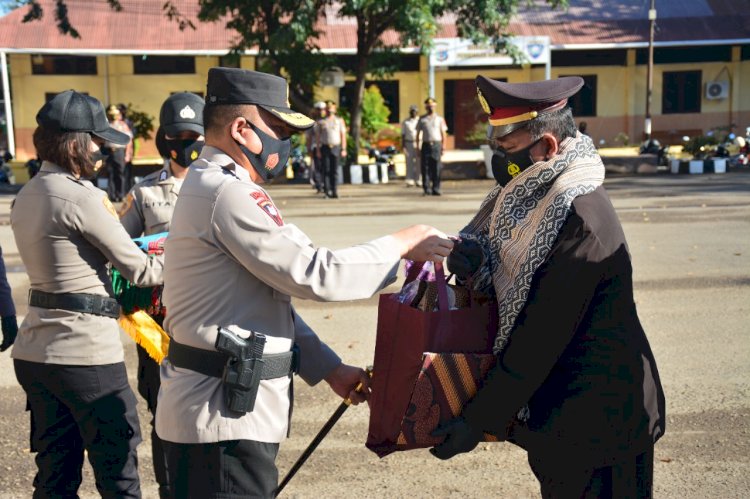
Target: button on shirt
66,231
232,261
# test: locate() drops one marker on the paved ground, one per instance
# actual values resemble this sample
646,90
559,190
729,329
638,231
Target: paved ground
690,241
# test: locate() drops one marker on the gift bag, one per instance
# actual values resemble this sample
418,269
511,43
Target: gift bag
428,362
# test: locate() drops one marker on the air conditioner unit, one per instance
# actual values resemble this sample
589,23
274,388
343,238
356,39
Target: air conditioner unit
717,90
333,77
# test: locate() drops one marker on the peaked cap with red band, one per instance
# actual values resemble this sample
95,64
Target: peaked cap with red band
511,105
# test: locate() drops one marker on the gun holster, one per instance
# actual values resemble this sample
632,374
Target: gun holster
243,369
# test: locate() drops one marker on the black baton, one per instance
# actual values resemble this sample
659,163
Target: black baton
318,438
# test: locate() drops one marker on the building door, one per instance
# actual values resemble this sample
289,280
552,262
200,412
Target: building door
464,116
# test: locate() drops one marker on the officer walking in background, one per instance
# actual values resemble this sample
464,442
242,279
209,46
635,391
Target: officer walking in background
118,157
431,132
317,177
232,266
148,210
411,148
330,137
68,356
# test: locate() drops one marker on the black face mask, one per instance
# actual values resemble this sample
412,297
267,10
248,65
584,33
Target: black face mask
184,152
273,156
98,156
505,165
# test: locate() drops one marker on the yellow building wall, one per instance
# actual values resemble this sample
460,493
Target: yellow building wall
115,83
621,94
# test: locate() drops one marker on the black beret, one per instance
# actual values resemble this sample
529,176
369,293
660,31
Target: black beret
511,105
242,86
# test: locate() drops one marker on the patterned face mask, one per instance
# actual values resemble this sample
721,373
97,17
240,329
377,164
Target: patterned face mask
184,151
271,160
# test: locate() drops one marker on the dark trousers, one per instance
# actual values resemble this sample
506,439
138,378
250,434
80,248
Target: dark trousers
431,152
77,408
564,478
318,177
148,386
222,470
329,156
117,185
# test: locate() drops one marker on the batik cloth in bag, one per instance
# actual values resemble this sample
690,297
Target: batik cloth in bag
429,360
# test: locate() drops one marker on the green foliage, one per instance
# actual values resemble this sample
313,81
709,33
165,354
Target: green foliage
374,113
699,146
477,136
142,122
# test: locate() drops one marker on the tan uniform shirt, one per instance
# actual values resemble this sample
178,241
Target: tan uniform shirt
409,129
329,130
232,261
149,206
66,231
432,127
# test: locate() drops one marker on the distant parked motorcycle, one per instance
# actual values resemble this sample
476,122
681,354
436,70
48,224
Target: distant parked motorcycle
300,168
384,158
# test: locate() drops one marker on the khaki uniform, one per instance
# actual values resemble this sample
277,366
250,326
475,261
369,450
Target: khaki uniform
66,231
411,149
232,261
149,206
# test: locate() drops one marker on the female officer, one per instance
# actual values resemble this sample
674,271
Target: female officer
68,356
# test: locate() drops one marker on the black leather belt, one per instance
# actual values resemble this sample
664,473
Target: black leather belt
76,302
211,362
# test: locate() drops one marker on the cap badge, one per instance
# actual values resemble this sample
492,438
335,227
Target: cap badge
483,102
187,113
194,155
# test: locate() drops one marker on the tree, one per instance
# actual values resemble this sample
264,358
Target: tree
285,35
374,113
416,22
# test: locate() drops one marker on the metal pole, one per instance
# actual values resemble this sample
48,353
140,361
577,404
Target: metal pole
430,76
650,77
8,106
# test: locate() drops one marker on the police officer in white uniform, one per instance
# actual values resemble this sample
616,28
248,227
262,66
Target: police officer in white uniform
232,262
68,356
148,210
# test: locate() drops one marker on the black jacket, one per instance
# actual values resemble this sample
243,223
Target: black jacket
577,354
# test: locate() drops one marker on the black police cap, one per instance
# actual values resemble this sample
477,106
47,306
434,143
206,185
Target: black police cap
71,111
511,105
182,111
242,86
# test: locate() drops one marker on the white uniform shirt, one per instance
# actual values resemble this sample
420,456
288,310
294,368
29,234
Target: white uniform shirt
232,261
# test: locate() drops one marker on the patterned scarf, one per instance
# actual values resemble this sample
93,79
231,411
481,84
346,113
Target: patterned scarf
518,224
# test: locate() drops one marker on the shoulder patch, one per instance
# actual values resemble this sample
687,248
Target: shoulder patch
265,204
163,175
126,205
110,208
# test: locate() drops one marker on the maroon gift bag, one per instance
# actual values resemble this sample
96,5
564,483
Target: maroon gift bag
427,364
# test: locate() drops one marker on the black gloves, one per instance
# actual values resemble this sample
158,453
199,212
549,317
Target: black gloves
10,329
465,258
459,438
